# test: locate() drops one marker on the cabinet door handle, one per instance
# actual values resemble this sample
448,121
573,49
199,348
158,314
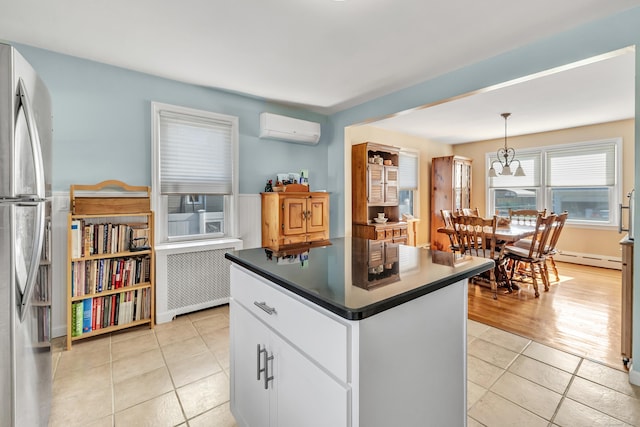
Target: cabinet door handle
260,370
304,214
263,306
308,214
266,358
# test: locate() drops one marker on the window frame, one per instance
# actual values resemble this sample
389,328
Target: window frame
159,201
544,191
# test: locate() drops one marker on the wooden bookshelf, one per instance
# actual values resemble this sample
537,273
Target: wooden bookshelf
110,259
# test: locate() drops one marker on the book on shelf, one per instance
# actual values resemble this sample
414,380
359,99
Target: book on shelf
76,237
79,308
73,320
88,242
86,317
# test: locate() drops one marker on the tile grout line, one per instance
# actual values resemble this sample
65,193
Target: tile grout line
574,374
175,389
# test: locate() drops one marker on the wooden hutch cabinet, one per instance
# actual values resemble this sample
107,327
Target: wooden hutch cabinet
290,218
375,189
451,190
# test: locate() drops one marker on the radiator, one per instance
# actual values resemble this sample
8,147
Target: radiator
192,278
197,277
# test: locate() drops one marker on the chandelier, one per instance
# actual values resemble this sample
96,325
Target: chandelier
506,156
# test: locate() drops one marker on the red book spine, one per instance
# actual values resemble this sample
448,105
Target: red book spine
113,310
94,312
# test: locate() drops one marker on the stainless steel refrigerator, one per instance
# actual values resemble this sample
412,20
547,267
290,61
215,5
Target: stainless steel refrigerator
25,254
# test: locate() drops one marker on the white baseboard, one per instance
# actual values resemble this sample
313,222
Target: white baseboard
589,259
634,376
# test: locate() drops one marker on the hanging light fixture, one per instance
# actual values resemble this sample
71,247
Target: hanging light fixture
506,156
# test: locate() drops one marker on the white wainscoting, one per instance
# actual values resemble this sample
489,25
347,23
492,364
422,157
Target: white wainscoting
250,220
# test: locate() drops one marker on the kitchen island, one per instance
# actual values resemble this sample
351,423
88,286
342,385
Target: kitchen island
353,333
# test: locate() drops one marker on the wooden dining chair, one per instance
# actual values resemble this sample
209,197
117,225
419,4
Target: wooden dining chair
534,255
447,216
477,237
550,249
525,216
470,211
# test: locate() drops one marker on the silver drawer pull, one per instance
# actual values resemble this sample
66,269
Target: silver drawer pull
263,306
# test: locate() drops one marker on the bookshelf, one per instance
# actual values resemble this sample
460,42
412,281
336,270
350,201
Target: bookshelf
110,261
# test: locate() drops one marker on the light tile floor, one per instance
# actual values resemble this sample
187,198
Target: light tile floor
178,375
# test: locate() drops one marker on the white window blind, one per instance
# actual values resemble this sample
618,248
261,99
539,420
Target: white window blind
588,166
408,170
530,162
196,154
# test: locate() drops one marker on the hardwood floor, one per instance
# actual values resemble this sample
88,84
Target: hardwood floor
580,314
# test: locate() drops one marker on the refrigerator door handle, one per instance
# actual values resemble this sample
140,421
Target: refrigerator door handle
34,266
25,103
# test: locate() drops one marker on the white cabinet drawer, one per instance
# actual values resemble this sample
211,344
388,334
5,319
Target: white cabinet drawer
315,334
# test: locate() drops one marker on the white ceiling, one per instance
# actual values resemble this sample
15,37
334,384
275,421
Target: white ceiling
323,55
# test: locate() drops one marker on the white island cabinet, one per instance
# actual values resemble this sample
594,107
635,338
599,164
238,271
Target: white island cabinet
310,347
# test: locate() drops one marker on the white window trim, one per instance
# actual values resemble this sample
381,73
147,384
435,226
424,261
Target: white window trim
159,202
544,192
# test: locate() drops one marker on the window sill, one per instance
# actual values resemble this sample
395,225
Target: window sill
198,244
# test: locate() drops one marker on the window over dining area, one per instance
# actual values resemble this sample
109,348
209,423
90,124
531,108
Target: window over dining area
583,179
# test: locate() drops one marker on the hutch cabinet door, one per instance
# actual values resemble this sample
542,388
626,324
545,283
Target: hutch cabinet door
462,184
391,185
376,184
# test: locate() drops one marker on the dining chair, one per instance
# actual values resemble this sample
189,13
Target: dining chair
470,211
525,216
550,249
533,255
447,216
477,237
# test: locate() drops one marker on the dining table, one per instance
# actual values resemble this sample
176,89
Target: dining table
505,235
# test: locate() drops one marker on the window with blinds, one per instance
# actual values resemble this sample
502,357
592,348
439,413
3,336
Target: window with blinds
408,162
194,171
582,179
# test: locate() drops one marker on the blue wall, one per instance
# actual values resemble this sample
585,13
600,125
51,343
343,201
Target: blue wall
102,125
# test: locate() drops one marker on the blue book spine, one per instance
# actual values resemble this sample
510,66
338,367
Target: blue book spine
100,275
86,318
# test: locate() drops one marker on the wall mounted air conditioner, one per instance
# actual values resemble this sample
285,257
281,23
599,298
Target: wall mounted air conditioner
274,126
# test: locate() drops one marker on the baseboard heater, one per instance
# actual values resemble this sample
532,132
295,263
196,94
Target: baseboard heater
589,259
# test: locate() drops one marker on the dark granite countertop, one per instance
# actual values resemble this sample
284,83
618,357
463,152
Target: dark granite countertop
357,278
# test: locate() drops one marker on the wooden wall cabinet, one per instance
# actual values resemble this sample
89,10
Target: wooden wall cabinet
450,190
290,218
111,277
